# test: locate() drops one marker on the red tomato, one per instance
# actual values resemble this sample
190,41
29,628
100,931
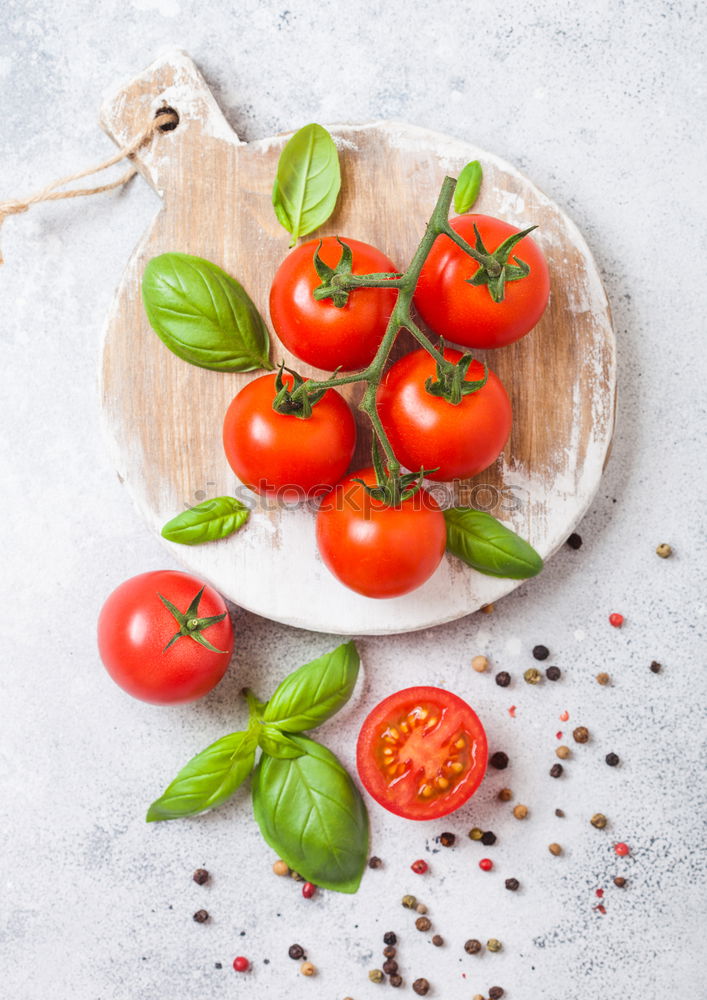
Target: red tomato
422,753
379,551
149,653
318,332
428,432
284,455
466,314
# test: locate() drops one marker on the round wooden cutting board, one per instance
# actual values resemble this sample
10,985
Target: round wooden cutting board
164,416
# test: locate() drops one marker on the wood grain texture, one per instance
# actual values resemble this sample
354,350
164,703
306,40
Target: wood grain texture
164,416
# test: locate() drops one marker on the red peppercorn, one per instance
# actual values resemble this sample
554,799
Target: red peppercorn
616,620
419,866
622,849
241,964
308,890
486,864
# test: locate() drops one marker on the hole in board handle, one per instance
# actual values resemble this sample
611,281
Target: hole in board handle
171,119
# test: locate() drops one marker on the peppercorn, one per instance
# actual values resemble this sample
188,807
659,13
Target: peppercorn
281,868
575,541
374,862
553,673
475,833
664,550
477,996
499,760
201,916
389,951
437,940
297,877
612,759
599,820
603,679
488,609
447,839
423,923
419,866
421,908
390,967
503,679
554,849
622,849
512,884
496,992
656,667
472,946
409,902
581,734
390,937
560,813
532,676
296,951
505,795
556,771
486,864
616,619
562,752
480,664
201,876
396,980
421,987
488,838
493,944
376,976
520,812
541,652
241,963
307,969
620,881
308,890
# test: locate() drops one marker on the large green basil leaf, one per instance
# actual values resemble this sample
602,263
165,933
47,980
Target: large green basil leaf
208,521
487,545
307,182
314,692
312,815
203,315
467,190
209,778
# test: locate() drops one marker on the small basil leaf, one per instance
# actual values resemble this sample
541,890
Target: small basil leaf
467,190
208,779
278,744
208,521
308,181
314,692
487,545
203,315
312,815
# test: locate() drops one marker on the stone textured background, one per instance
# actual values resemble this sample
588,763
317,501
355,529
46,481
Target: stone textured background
602,106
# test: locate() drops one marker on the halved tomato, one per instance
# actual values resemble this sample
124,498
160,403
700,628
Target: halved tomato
422,752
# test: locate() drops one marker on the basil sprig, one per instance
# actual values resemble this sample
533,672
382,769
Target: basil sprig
207,521
489,546
306,804
307,182
467,190
203,315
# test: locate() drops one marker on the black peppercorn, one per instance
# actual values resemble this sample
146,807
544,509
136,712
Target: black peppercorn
472,946
201,876
553,673
390,967
421,987
496,992
447,839
512,884
556,771
201,916
438,940
655,667
488,838
374,862
390,938
541,652
575,541
396,980
389,951
296,951
499,760
612,759
503,679
560,813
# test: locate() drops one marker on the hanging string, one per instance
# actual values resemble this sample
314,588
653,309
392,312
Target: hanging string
165,120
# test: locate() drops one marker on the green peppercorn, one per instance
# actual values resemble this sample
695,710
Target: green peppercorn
664,550
376,976
472,946
493,944
475,833
409,902
599,820
532,676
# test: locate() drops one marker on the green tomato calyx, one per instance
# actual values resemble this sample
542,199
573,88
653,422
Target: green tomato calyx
190,625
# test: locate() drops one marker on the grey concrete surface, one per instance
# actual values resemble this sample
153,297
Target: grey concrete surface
603,105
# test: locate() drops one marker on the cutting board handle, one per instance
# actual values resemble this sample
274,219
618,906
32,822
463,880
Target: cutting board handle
172,81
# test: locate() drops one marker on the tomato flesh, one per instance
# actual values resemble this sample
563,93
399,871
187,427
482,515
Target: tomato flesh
422,753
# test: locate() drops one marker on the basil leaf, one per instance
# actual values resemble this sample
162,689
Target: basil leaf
467,190
208,521
307,182
312,815
314,692
278,744
208,779
487,545
203,315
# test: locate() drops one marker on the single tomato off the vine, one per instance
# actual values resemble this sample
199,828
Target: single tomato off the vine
284,455
165,637
427,431
377,550
422,753
467,314
318,332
